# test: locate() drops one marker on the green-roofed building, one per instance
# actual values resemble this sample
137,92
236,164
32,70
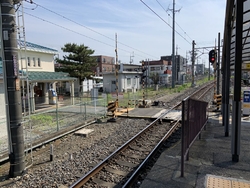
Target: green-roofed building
36,69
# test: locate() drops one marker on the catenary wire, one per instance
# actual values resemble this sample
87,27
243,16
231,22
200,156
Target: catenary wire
175,21
32,2
165,21
179,26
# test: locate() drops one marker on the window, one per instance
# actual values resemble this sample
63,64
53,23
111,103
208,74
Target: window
28,61
38,62
34,62
129,81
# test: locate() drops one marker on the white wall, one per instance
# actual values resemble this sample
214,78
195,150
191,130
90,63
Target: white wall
46,61
130,83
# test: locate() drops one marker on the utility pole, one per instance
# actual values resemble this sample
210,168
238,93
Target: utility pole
116,71
193,60
209,71
173,48
186,64
218,66
12,83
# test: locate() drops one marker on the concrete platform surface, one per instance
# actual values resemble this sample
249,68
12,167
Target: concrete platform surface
210,162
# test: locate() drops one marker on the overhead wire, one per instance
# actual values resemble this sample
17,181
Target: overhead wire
76,32
180,26
175,21
165,21
32,2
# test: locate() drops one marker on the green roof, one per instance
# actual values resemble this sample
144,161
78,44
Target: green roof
36,47
35,76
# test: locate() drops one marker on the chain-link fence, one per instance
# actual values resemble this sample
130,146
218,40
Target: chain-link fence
50,119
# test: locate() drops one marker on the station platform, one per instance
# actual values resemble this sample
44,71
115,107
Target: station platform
210,161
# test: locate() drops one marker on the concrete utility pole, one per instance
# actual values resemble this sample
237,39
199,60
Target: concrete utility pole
218,66
173,49
209,71
193,60
116,70
11,70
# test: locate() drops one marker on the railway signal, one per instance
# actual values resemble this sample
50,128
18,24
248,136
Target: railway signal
212,56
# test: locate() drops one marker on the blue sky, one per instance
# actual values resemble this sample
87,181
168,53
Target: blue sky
140,33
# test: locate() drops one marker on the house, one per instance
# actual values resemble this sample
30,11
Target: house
200,69
128,77
180,66
161,67
106,64
37,73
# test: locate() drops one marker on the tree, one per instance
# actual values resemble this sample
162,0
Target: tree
155,77
78,62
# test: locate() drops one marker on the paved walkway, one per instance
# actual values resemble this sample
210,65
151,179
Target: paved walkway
210,162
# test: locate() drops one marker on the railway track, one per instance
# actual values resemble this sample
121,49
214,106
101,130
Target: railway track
88,152
123,166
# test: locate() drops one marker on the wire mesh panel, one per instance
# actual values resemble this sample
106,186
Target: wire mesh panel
50,119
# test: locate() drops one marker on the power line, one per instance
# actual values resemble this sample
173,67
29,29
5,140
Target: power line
88,29
164,21
178,24
175,21
67,29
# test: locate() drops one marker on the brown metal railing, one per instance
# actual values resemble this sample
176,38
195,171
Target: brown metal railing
194,119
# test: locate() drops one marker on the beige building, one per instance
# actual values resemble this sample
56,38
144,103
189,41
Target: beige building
36,69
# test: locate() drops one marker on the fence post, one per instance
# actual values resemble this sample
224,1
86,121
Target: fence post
95,104
80,104
85,111
57,118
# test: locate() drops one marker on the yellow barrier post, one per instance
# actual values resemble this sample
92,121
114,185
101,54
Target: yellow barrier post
218,101
112,107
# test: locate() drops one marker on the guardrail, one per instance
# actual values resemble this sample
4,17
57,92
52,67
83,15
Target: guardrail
194,120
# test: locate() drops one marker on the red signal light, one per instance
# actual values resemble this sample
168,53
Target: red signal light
212,56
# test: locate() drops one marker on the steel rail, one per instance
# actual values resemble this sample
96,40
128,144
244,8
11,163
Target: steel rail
133,177
84,179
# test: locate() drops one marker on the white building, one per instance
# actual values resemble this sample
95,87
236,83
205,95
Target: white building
129,77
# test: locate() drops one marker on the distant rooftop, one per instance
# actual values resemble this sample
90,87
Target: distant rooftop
36,47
